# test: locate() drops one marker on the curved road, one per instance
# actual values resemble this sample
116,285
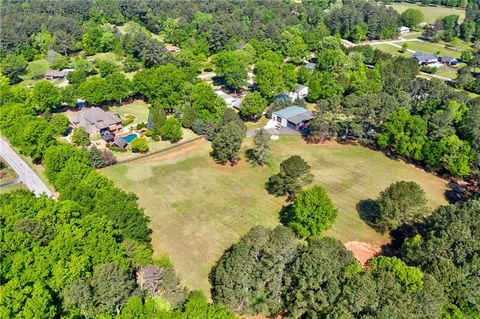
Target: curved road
25,173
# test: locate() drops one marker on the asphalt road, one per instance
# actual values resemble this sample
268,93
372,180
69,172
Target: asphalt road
25,173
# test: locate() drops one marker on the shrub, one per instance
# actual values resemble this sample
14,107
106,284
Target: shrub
140,145
80,137
171,130
129,120
199,127
116,148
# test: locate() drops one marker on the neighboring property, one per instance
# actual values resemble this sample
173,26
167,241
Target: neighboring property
300,93
311,66
172,48
403,30
426,59
55,75
95,120
229,100
294,117
448,60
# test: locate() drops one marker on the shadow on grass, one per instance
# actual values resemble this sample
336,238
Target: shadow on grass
285,215
368,211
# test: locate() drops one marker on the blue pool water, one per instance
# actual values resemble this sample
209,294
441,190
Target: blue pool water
130,137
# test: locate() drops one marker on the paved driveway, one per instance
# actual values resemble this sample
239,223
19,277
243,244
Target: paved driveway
25,173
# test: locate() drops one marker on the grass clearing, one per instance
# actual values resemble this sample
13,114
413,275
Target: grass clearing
199,208
7,174
108,56
432,13
391,49
14,187
428,47
35,72
138,108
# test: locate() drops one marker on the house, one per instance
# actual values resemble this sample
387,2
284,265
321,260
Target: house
448,60
311,66
55,75
403,30
425,59
300,93
172,48
294,117
229,100
120,142
95,120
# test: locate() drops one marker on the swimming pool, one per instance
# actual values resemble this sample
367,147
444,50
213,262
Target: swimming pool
130,137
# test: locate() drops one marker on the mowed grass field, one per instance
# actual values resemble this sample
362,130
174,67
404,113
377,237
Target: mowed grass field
432,13
199,208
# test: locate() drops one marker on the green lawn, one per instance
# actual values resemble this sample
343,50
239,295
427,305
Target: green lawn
109,56
138,108
11,188
35,71
428,47
393,50
199,208
432,13
7,174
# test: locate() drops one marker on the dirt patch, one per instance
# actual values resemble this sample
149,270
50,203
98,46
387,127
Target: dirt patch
175,153
362,251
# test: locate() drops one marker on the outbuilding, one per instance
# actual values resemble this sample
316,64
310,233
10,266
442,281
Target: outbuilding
295,117
120,142
55,75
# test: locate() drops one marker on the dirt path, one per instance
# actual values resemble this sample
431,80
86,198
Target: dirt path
362,251
175,153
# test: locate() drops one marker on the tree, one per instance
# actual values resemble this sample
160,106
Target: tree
400,203
189,116
76,77
294,173
156,119
257,285
80,137
227,142
140,144
323,85
411,278
404,47
232,66
94,90
12,66
311,213
112,286
45,96
207,105
105,67
261,147
253,105
108,157
130,64
171,130
269,78
412,17
119,87
154,53
97,160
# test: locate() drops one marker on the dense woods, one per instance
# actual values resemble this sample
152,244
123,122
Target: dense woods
88,254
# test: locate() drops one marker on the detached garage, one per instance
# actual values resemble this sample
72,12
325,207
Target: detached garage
294,117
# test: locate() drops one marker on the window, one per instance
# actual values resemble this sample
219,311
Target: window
279,119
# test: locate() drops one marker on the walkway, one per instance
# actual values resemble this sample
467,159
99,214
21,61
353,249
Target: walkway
25,173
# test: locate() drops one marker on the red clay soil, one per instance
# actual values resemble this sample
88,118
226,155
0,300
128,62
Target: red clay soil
174,154
362,251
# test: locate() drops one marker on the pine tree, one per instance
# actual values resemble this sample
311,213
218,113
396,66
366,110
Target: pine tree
97,159
156,119
189,116
261,148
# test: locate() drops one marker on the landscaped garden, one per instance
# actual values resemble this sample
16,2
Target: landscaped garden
199,208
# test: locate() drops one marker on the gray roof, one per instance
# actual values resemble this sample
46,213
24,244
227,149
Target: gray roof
424,57
300,87
95,116
447,59
295,114
55,73
120,141
310,66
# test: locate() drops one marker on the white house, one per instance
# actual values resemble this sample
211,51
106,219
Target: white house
294,117
229,100
404,30
300,93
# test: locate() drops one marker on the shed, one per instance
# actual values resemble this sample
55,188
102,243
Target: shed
295,117
108,137
120,142
55,75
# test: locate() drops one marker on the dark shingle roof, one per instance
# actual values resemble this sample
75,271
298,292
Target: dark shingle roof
120,141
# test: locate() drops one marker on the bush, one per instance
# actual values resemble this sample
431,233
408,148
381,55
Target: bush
140,145
141,126
116,148
155,137
428,69
80,137
199,127
171,130
129,120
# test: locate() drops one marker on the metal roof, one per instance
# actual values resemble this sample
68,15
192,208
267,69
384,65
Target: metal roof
294,113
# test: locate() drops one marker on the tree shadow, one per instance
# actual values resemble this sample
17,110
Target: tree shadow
368,211
286,215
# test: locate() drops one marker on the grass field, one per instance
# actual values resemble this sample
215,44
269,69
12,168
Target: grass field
35,71
11,188
199,208
138,108
428,47
393,50
432,13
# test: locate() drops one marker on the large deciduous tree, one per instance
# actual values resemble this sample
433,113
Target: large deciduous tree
253,106
311,213
45,96
12,66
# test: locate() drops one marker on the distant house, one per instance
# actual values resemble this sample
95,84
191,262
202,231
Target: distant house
95,120
300,93
425,58
172,48
229,100
294,117
448,60
55,75
120,142
311,66
403,30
